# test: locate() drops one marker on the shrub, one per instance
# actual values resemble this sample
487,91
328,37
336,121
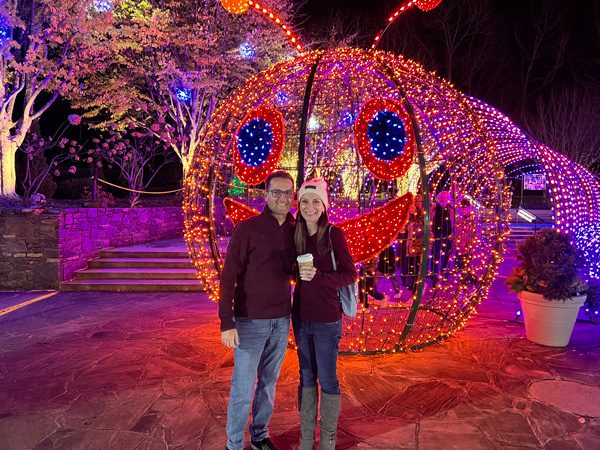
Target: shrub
548,264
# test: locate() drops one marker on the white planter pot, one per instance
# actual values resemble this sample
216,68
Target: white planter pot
549,322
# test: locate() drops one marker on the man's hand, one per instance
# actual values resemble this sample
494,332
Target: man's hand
230,338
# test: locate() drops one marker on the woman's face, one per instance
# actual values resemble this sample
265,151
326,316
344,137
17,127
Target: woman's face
311,207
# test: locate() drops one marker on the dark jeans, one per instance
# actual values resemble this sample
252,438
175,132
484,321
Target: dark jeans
442,248
318,346
411,267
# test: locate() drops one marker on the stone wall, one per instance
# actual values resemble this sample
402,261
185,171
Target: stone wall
41,248
29,249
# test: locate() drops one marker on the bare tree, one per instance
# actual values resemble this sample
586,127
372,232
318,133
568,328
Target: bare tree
403,37
340,29
543,42
464,41
568,122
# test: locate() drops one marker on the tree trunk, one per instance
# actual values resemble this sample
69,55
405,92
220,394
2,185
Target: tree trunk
186,164
8,174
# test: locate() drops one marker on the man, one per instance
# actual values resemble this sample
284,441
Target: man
442,234
255,308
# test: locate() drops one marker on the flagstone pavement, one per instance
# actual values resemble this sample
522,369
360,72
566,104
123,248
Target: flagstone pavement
147,371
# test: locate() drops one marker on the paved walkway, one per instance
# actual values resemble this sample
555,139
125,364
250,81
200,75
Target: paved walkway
147,372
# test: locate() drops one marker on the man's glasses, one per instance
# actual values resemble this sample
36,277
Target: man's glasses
276,193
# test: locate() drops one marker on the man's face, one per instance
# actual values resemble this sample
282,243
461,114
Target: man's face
283,204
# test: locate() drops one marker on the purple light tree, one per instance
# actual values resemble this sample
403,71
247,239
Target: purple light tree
45,45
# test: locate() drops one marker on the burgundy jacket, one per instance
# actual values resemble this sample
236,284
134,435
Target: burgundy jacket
317,300
256,276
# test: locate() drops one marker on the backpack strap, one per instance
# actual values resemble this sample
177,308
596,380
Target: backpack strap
332,254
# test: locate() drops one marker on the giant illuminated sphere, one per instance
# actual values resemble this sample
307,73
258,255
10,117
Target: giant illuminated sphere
381,130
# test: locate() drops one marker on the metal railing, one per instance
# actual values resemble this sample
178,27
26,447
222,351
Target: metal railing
529,217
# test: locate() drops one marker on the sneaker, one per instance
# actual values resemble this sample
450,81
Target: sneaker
265,444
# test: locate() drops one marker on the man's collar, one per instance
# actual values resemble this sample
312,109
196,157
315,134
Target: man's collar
267,211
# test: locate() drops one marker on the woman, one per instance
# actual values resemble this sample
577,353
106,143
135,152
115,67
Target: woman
316,313
414,245
442,234
367,293
464,234
386,268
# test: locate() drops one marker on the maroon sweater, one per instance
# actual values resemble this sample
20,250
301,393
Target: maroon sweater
317,300
256,276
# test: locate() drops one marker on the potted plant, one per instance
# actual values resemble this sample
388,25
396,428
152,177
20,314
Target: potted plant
550,286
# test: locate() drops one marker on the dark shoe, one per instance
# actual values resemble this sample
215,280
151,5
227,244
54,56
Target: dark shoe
265,444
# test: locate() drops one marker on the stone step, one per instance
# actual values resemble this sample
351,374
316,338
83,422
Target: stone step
519,236
137,274
136,263
133,285
146,253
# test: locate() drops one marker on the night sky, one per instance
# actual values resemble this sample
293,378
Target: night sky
317,6
581,17
582,12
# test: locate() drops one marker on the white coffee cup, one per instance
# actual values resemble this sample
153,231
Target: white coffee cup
305,260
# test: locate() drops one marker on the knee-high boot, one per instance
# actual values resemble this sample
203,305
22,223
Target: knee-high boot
330,412
307,404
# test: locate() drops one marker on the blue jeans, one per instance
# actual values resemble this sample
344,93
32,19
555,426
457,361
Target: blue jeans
257,362
318,346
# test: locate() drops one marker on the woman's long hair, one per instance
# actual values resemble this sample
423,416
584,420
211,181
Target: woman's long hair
301,233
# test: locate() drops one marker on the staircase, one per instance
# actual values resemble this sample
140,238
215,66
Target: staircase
161,266
517,234
520,228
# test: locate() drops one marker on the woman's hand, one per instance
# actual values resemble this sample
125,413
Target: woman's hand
307,273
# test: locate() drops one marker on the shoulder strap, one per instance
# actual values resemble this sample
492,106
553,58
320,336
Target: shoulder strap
332,254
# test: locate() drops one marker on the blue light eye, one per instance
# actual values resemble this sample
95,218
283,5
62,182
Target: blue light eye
254,142
387,135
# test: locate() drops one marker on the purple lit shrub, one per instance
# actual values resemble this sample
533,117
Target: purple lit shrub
549,264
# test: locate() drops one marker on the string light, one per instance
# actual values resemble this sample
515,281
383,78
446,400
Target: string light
367,235
235,6
331,150
587,240
385,138
463,148
5,31
103,5
247,51
281,98
292,38
313,124
259,140
254,142
427,5
387,135
391,20
424,5
183,94
241,6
